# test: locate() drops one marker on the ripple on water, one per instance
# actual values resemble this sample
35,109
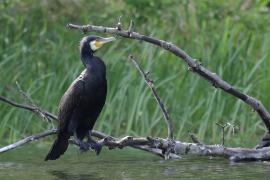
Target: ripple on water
27,163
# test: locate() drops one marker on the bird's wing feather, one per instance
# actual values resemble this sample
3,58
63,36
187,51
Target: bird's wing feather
69,101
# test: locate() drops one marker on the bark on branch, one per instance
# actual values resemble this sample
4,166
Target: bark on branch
27,140
193,64
152,145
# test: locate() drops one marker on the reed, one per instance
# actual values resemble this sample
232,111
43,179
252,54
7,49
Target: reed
37,51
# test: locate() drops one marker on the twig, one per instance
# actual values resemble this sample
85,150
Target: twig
196,67
194,138
119,24
28,98
27,107
222,126
232,126
131,28
151,85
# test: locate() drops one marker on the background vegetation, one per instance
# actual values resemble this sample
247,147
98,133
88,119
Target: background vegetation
231,38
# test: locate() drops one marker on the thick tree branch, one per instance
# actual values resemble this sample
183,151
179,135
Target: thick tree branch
194,65
106,140
153,145
137,143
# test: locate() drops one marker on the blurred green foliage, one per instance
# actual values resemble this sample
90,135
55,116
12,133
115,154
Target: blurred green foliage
229,37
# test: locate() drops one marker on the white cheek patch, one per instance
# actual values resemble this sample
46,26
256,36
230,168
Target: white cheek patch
93,46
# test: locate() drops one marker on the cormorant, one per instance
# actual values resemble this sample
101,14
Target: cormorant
83,101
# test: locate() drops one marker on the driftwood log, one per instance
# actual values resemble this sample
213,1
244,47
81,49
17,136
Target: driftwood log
168,148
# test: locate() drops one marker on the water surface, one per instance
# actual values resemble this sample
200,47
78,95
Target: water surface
27,163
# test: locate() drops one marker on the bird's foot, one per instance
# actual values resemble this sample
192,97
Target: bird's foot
83,145
265,142
95,146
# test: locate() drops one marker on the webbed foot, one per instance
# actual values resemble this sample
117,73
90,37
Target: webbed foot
95,146
83,145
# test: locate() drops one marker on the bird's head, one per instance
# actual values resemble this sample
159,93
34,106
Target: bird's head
91,44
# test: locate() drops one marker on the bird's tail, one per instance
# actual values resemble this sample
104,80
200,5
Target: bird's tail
59,146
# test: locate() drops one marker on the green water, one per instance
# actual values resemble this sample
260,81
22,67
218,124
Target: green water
27,163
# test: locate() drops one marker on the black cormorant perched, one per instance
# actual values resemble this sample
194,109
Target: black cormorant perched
83,101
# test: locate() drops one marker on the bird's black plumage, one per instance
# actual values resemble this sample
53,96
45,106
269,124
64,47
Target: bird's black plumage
83,101
265,142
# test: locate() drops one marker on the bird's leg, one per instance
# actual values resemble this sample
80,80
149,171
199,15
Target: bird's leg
92,143
83,145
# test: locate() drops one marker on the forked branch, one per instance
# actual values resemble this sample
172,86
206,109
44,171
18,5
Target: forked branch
151,85
153,145
193,64
27,107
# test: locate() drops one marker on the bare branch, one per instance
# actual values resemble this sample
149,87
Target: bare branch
137,143
111,142
27,107
131,27
151,85
194,65
222,126
27,140
194,138
119,24
29,99
155,145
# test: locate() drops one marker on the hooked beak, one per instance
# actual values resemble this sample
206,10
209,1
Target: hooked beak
106,40
100,42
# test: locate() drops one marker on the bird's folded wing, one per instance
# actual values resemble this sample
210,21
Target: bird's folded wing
69,101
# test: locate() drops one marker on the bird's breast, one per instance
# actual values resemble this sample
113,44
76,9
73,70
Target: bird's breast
95,88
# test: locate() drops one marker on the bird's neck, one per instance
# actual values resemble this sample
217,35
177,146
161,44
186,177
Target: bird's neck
87,58
88,62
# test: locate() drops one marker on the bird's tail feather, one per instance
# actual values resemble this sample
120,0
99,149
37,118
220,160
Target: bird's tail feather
59,147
